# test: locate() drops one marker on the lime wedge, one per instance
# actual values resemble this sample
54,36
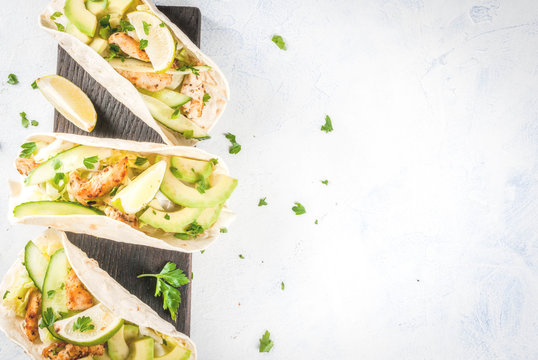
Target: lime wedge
69,100
161,47
132,198
105,325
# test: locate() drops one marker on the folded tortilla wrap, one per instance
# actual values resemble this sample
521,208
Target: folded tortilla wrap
104,288
105,226
98,67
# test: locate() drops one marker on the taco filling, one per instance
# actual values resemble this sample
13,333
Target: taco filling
161,195
172,80
64,321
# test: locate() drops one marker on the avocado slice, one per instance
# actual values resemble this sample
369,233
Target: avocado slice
117,347
99,45
73,30
190,170
142,349
84,20
177,353
221,188
130,332
53,208
209,216
174,222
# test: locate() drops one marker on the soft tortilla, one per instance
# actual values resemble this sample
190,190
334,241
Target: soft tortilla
214,81
105,227
103,287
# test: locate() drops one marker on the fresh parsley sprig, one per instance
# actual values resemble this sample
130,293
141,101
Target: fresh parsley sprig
83,323
262,201
266,343
298,209
168,280
90,162
235,148
28,149
48,318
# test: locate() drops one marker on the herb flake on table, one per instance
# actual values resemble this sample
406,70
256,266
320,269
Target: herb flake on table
266,343
325,182
12,79
298,209
328,126
223,230
279,41
262,202
241,256
34,85
168,281
235,148
282,286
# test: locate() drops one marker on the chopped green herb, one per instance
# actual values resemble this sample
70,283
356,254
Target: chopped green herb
140,161
83,323
202,251
202,185
126,26
162,24
114,190
282,286
154,212
90,162
146,27
298,209
168,280
193,70
105,21
206,98
34,85
167,217
316,222
262,202
12,79
175,114
114,52
57,164
58,177
48,318
60,27
5,294
223,230
34,122
143,44
266,343
277,39
51,293
241,256
24,120
28,149
325,182
57,14
182,236
328,126
194,229
105,32
62,286
235,148
214,161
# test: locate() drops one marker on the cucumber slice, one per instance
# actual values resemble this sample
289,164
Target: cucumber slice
169,97
53,208
190,170
174,222
163,114
36,264
66,161
53,294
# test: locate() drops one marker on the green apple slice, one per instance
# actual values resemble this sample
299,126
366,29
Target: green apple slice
139,192
105,325
161,48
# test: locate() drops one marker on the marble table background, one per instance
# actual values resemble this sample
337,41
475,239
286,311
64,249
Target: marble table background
427,242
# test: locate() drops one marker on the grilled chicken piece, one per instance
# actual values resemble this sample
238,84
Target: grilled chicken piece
78,298
24,166
193,87
84,190
115,214
60,351
33,311
128,45
147,80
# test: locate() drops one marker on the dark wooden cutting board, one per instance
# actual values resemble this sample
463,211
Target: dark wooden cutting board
125,261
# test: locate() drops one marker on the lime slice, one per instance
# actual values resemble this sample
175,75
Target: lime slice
69,100
141,190
161,47
105,325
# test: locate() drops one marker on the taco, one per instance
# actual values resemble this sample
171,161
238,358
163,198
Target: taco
145,61
169,197
59,305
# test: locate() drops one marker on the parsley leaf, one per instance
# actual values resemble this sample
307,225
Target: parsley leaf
162,24
202,251
168,280
126,26
24,120
202,185
206,98
328,127
191,231
27,149
140,161
143,44
105,21
282,286
277,39
60,27
262,202
48,318
325,182
12,79
58,177
34,85
316,222
298,209
266,343
34,122
114,190
193,70
175,114
241,256
146,27
90,162
57,14
83,323
235,148
167,216
223,230
51,293
114,52
5,294
214,161
57,164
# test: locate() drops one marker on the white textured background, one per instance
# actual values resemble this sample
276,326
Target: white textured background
427,243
